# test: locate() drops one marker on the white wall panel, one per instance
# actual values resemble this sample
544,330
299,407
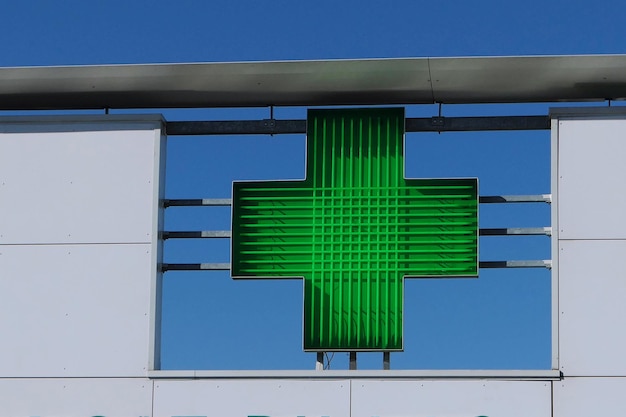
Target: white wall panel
261,397
584,397
451,398
76,397
592,304
75,310
90,184
592,175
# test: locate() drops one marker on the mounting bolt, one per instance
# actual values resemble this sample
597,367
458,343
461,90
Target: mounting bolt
437,121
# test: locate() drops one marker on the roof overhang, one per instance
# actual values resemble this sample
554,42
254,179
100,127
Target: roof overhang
317,83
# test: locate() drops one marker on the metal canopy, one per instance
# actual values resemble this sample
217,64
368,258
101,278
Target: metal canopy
316,83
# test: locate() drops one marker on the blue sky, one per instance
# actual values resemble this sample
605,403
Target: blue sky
500,320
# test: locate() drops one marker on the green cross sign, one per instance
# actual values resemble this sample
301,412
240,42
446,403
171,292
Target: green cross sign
354,229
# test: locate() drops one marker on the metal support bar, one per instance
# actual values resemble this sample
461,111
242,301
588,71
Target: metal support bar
515,264
540,198
482,264
197,202
488,199
223,234
237,127
210,234
386,361
319,363
516,231
196,267
416,124
352,361
469,124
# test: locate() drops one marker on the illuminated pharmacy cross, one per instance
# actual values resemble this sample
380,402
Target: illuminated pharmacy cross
354,228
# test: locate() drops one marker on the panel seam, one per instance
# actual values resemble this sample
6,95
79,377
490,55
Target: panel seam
430,80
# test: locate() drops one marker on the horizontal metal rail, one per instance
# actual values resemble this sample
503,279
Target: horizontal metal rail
415,124
516,231
516,264
489,199
203,234
223,234
483,265
196,267
494,199
194,202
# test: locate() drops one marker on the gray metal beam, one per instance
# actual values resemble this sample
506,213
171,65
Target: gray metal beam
454,80
495,199
194,202
516,264
482,264
196,267
489,199
515,231
203,234
222,234
424,124
236,127
469,124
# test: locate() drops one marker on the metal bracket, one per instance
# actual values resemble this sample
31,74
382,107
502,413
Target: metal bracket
437,121
319,363
352,361
270,124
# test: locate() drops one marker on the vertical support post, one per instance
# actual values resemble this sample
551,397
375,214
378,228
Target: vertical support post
554,207
386,360
319,363
352,361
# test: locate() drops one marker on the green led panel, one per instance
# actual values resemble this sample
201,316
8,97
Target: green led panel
354,228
